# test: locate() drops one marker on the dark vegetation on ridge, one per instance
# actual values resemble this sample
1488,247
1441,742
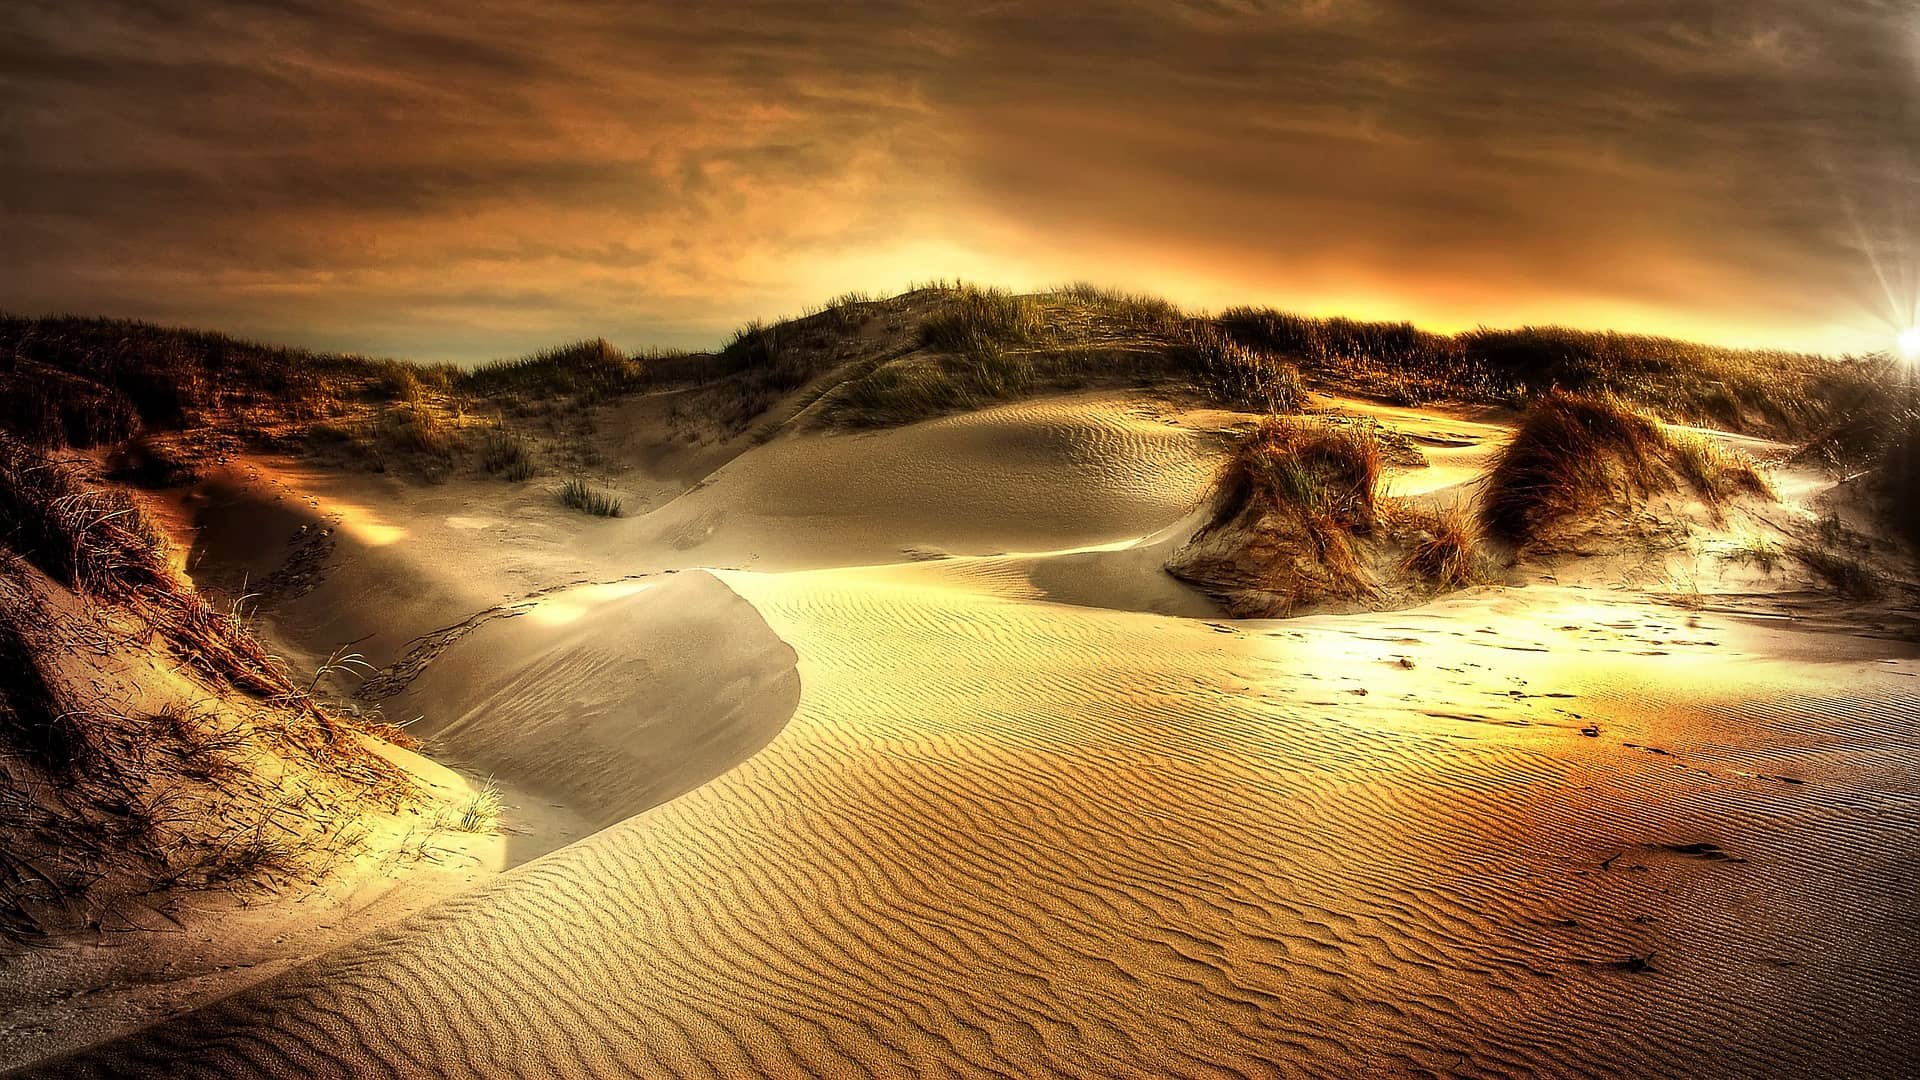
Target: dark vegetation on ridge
83,382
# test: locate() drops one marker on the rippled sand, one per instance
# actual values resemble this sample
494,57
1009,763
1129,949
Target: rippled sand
1039,813
1009,837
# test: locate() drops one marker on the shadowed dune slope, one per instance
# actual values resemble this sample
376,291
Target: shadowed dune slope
610,699
1022,838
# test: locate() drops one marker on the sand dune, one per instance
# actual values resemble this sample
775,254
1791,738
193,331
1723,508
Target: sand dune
610,699
1025,476
1038,812
1031,838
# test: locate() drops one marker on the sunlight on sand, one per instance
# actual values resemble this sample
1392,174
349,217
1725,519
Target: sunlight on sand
364,525
574,604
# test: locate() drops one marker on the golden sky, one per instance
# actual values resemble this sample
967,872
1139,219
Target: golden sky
471,179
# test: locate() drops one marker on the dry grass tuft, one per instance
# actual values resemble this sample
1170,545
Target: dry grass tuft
1574,454
481,811
506,454
1446,548
1715,473
1327,473
580,495
1289,505
972,319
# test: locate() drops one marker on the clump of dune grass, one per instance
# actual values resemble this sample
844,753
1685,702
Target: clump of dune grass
1574,454
480,812
416,429
1328,474
1570,454
971,318
584,497
1445,547
1291,506
1755,549
1239,375
506,454
1717,474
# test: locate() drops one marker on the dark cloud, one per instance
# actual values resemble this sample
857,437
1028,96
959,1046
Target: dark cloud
467,179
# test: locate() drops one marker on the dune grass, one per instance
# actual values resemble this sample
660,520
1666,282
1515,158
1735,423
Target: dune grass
506,454
1716,473
1840,570
480,812
593,368
579,495
1330,473
1323,477
1574,454
972,319
1445,547
101,805
1568,456
1240,376
1746,389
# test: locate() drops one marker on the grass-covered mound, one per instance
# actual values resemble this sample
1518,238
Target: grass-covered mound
1298,519
1577,457
148,743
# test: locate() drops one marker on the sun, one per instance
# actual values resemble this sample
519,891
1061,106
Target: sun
1908,343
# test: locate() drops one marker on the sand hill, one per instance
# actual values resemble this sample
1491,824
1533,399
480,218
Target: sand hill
871,734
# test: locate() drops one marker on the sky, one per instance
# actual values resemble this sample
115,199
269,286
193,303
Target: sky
474,179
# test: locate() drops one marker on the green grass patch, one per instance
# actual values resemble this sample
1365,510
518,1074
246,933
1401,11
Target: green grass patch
584,497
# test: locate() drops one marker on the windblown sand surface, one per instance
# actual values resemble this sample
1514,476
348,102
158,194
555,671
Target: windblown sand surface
1008,831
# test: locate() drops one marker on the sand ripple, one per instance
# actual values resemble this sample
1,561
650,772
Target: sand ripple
1006,838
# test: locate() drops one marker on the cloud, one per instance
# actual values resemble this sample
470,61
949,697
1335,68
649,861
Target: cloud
461,180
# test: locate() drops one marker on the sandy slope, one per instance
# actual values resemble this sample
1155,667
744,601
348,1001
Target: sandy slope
611,699
1550,829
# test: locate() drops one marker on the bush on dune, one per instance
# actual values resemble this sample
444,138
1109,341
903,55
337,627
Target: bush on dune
1445,547
1291,507
584,497
1574,454
1327,474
